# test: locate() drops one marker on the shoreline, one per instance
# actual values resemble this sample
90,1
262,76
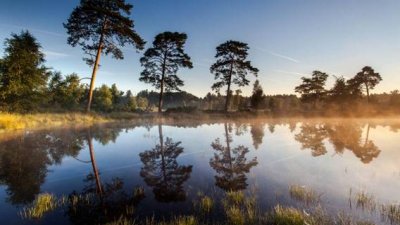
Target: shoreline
38,121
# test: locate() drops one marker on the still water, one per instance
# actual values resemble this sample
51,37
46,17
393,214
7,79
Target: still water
174,162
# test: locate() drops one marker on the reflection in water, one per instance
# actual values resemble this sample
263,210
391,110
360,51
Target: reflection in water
162,172
257,134
311,137
24,161
231,165
342,136
104,203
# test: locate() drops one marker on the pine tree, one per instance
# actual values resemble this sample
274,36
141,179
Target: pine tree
101,27
162,61
231,67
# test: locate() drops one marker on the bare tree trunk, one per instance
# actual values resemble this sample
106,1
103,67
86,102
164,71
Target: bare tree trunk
95,67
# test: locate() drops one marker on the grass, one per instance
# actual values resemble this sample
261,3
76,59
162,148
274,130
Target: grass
12,121
365,200
238,208
391,213
287,216
44,203
303,194
206,204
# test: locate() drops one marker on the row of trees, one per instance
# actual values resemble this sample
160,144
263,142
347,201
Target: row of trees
313,89
103,27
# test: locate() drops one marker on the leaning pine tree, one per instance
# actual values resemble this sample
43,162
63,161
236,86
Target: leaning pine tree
101,27
231,67
162,61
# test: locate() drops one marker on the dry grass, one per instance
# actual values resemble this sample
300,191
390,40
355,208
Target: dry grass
10,121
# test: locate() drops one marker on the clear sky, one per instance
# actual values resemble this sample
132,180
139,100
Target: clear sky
288,39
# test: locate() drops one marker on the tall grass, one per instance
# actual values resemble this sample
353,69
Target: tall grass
44,203
10,121
303,194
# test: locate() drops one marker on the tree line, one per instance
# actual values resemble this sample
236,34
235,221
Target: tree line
103,27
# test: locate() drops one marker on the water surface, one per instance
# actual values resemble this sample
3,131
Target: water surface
174,162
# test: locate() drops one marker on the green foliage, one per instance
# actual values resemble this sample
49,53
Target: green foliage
97,22
257,98
313,89
67,93
367,78
162,61
103,99
100,26
23,76
231,66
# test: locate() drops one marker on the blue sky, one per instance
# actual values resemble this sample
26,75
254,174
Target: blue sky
288,39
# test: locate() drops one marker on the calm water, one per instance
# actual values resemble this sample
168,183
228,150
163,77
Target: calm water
174,162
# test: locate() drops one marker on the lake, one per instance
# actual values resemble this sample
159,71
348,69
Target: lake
173,163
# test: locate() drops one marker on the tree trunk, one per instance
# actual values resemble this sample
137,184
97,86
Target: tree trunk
163,166
95,67
228,92
94,165
160,100
366,87
228,147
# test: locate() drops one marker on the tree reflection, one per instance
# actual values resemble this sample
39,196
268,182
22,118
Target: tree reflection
162,172
231,165
98,203
312,137
24,161
257,134
342,136
349,136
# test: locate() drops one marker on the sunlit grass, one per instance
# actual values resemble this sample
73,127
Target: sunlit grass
287,216
10,121
238,208
44,203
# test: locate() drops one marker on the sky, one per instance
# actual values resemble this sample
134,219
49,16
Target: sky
288,39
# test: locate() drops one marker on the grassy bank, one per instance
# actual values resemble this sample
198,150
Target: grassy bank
12,121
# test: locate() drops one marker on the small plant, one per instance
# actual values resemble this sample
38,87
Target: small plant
234,215
235,197
303,194
365,201
287,216
43,203
391,213
206,204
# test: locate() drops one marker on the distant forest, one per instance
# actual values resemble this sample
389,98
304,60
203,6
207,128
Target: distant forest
102,27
